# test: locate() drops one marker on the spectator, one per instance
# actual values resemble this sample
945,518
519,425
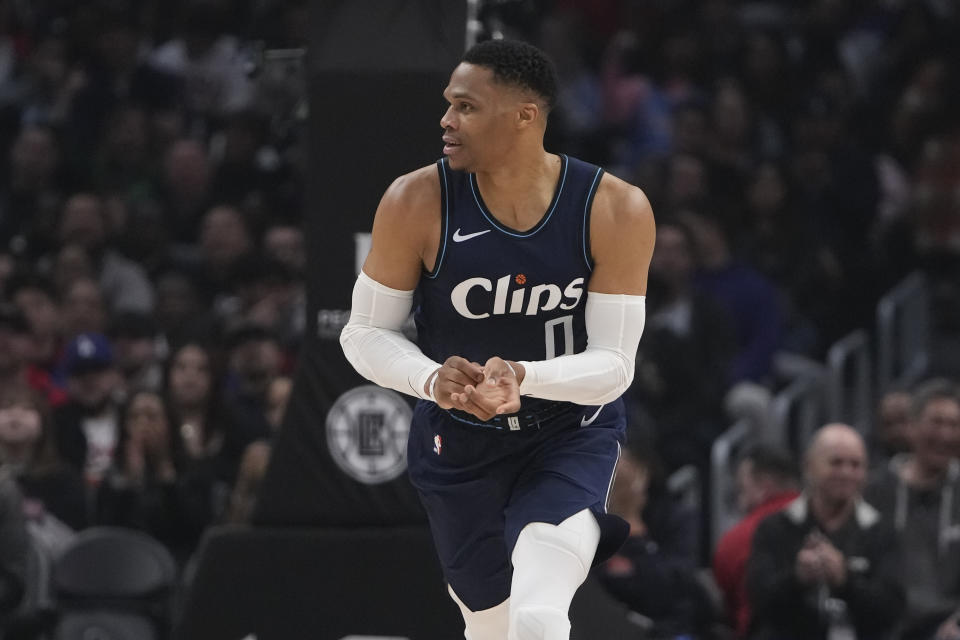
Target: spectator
181,313
767,480
192,391
255,361
919,493
87,427
893,424
225,238
654,572
827,564
286,244
15,368
83,308
124,284
33,189
134,337
54,495
36,297
147,489
269,295
211,450
681,368
186,187
13,544
749,299
209,63
784,246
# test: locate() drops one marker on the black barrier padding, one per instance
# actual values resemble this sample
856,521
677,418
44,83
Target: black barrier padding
317,584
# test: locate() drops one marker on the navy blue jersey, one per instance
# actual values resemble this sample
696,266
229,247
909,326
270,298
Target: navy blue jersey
496,291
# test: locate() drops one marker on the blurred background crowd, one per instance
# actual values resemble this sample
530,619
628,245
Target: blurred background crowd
802,156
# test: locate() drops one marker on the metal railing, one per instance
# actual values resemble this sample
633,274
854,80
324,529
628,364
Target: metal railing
903,330
684,485
796,412
723,511
849,392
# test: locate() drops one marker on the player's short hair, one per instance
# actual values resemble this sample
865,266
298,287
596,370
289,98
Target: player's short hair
932,390
517,63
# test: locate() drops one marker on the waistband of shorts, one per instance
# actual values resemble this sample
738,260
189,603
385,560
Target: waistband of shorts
534,418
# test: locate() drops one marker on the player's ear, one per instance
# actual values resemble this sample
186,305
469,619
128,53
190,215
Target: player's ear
527,114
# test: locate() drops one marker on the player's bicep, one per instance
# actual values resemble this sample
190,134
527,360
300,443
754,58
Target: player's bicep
622,232
401,230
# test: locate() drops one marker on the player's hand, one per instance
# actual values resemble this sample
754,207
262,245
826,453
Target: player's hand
455,374
499,392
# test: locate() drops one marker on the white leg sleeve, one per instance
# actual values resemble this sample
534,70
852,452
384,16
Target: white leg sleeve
488,624
550,562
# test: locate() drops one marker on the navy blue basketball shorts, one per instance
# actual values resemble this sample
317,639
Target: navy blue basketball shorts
481,486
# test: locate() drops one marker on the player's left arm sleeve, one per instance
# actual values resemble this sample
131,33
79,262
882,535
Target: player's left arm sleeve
604,370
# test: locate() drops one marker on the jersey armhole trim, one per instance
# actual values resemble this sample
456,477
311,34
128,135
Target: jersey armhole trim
587,210
444,220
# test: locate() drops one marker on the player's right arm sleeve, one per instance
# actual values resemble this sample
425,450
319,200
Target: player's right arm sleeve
374,344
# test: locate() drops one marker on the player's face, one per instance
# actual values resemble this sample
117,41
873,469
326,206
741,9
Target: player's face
479,126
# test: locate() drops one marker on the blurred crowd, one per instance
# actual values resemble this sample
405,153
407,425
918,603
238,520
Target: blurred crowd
152,264
801,157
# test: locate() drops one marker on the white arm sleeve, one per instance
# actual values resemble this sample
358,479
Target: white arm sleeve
604,370
373,342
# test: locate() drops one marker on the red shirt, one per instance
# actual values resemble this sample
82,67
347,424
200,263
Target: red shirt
41,382
732,553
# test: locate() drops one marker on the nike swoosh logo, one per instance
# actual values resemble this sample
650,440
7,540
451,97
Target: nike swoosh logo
586,422
458,237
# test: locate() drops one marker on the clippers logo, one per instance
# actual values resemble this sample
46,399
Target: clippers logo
529,301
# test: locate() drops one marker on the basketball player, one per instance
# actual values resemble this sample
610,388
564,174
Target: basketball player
527,273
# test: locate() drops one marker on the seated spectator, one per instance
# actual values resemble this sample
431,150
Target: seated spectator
13,544
36,297
50,488
148,489
181,312
749,299
83,307
269,295
286,244
124,283
827,564
210,451
681,367
192,387
893,424
86,428
767,480
255,361
654,573
134,337
920,494
15,369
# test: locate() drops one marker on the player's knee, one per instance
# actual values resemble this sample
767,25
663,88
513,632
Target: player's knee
531,622
487,624
545,544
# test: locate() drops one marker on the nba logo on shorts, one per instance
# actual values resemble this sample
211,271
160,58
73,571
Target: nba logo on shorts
437,444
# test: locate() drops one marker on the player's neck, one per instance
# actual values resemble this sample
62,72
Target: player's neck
519,191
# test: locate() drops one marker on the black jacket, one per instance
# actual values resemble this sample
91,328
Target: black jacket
785,609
